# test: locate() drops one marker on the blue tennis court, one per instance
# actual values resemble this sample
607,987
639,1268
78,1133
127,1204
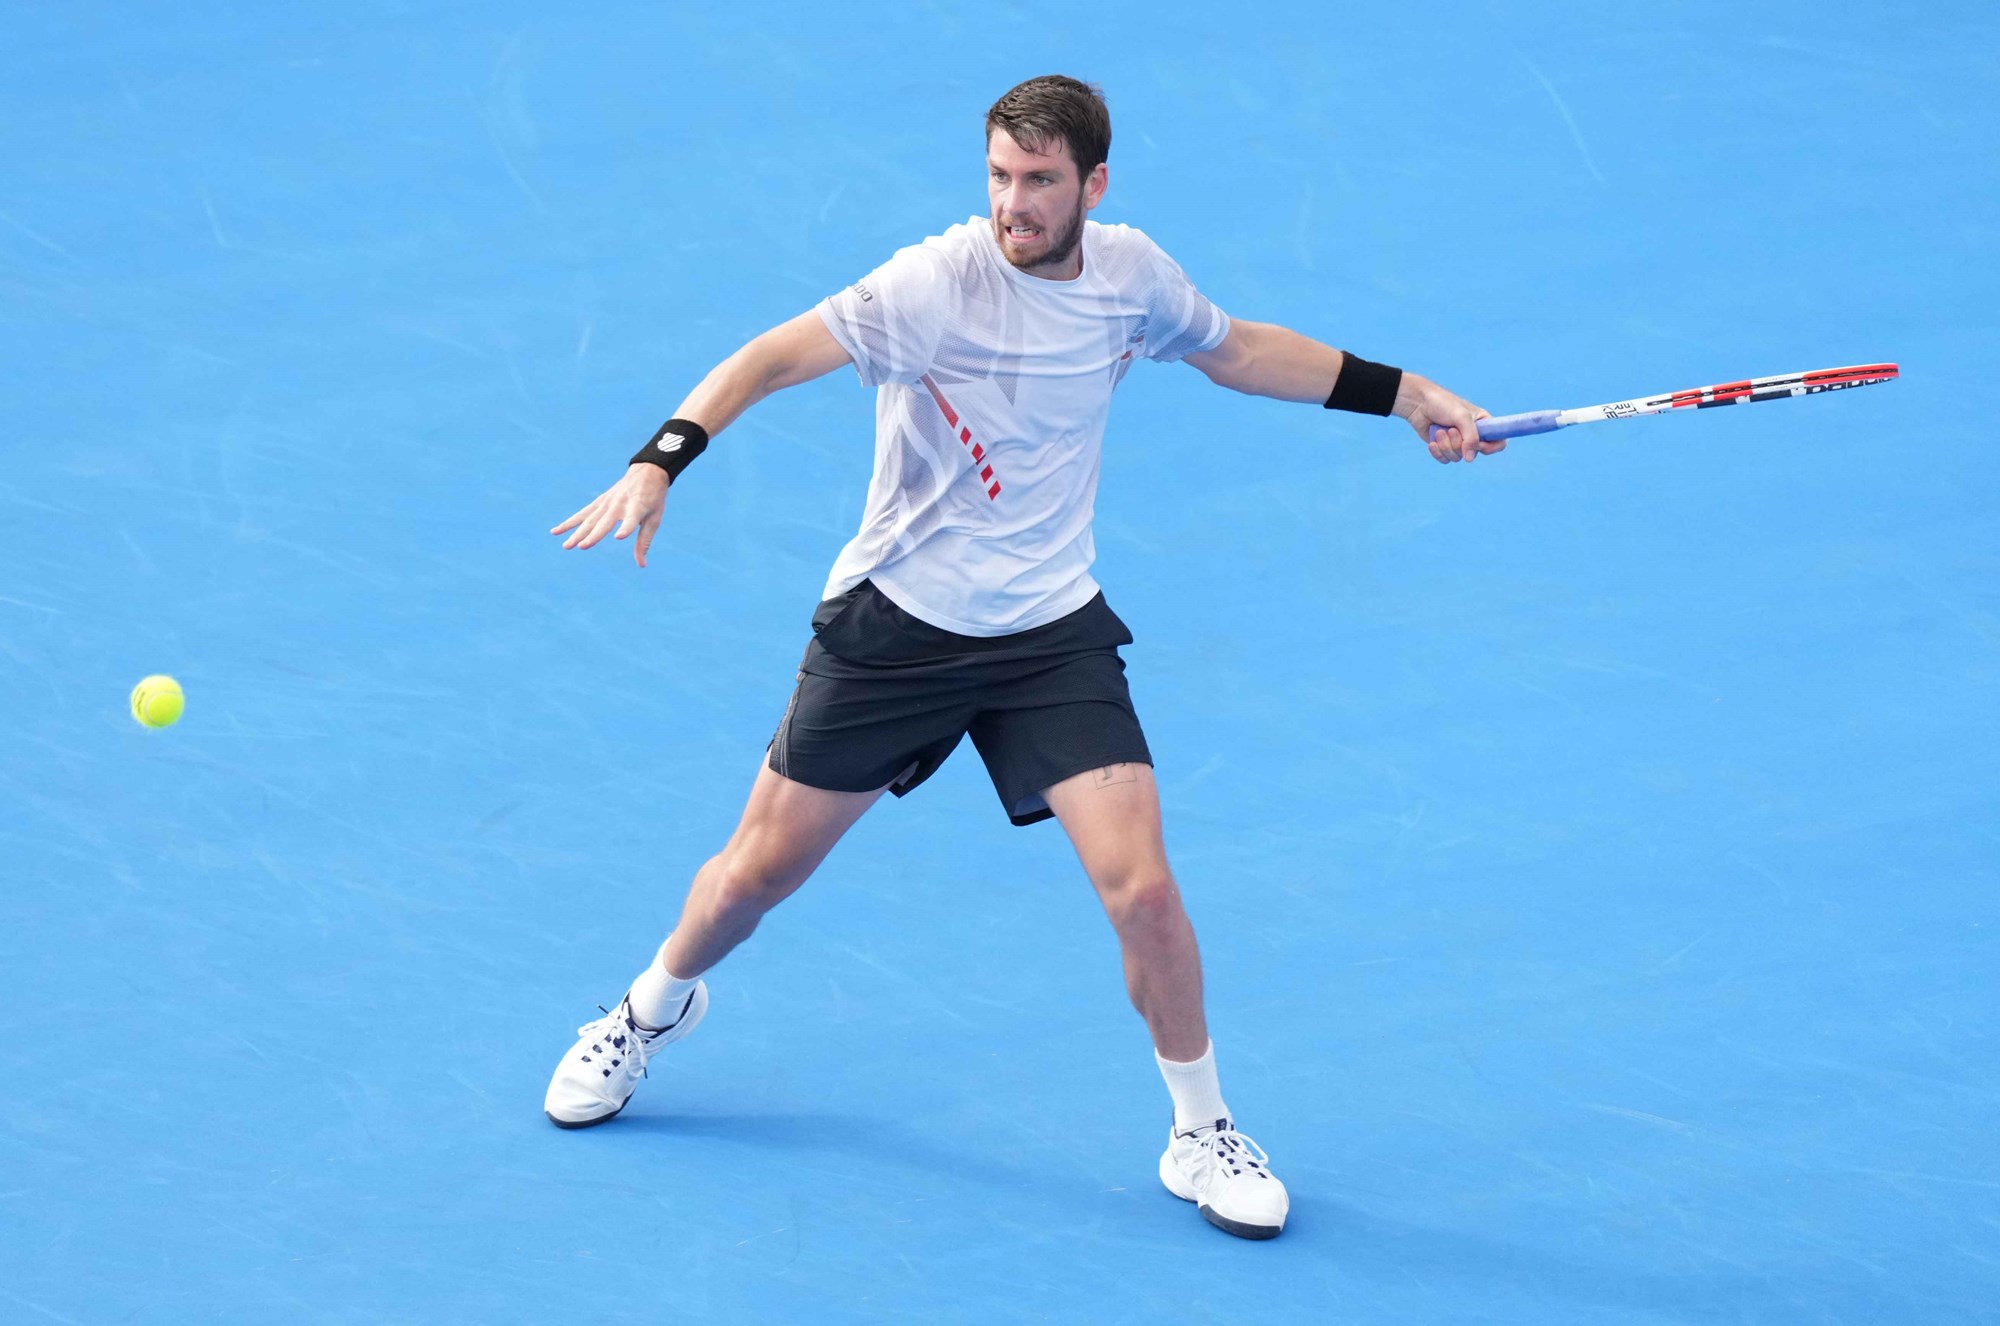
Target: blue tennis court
1594,849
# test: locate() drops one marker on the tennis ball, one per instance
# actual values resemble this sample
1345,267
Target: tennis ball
158,702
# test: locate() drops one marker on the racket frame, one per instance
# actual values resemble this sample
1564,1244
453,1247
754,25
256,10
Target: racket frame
1779,386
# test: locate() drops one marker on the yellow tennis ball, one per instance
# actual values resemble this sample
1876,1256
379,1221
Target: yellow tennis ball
158,701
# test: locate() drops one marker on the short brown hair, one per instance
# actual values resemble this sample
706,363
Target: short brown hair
1056,108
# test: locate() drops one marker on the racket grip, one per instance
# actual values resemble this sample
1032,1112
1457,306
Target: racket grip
1513,425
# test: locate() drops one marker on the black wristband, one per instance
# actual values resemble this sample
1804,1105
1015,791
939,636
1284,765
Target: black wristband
1364,388
674,447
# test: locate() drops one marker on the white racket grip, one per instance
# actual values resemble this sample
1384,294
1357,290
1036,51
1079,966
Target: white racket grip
1513,425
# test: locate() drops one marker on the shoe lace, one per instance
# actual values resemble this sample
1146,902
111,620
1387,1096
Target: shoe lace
1221,1147
616,1043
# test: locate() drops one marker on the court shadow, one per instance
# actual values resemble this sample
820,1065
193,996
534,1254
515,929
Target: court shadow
869,1138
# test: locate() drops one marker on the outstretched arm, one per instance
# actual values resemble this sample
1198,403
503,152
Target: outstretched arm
1262,359
788,354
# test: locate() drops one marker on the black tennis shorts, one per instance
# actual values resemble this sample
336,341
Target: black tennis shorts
883,698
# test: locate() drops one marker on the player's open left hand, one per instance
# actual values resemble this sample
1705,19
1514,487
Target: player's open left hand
635,503
1449,426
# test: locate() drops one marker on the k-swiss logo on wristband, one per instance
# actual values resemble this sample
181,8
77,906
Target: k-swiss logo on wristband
671,442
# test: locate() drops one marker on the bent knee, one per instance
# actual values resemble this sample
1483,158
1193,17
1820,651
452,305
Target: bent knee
744,882
1146,897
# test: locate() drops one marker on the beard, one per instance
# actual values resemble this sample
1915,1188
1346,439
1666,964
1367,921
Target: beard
1057,248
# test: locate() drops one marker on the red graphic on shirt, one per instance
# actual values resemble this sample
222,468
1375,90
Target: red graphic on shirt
964,436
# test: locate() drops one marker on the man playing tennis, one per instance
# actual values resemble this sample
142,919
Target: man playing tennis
965,605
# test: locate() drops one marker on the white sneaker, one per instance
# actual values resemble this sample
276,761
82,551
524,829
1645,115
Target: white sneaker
1229,1176
596,1077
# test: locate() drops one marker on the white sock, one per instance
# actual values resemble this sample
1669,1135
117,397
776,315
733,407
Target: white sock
658,997
1197,1093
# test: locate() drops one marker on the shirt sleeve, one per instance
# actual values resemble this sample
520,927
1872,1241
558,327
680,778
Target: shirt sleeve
1179,319
889,321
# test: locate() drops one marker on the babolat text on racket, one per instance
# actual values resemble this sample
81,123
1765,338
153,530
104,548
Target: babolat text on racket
1782,387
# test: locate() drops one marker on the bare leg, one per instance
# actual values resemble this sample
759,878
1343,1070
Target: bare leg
1112,816
786,831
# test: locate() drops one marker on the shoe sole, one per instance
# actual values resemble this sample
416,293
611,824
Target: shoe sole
1170,1178
1238,1228
586,1123
693,1012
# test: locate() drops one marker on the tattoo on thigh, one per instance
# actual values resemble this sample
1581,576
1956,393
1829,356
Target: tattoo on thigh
1116,773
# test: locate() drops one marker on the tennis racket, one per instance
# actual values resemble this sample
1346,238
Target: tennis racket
1782,387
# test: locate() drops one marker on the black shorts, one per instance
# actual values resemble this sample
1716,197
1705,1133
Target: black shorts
883,698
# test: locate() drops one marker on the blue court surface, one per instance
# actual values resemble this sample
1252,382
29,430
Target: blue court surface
1593,848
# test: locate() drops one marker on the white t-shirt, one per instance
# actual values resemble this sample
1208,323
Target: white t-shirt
994,388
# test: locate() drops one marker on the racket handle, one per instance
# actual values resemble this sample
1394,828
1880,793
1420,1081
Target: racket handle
1513,425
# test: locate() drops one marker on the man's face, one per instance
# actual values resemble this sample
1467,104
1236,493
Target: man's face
1038,205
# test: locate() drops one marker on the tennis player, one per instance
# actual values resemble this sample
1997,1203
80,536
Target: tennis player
965,606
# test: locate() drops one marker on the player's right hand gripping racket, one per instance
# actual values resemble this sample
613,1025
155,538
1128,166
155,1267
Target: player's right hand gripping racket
1782,387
